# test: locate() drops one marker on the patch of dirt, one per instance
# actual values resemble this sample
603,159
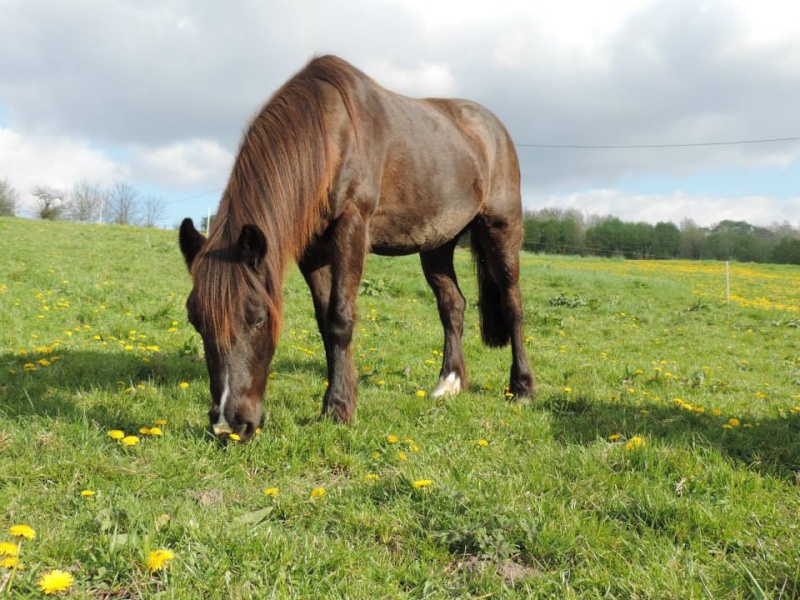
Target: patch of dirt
209,497
509,571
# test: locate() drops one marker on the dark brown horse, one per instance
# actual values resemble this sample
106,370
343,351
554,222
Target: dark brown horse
332,167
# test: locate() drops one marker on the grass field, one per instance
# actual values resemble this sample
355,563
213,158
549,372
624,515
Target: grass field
659,459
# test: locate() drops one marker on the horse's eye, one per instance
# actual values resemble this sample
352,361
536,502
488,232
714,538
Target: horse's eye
258,324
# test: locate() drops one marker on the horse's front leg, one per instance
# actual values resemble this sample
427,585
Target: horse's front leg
348,238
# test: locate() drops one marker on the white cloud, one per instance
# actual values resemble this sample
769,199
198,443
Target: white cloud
28,160
424,79
189,163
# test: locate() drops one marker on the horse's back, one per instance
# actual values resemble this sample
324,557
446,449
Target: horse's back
420,170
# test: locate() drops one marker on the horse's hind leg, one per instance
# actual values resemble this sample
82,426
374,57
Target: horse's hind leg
438,268
496,245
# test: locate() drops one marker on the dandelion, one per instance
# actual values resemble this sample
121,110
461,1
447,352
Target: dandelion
716,412
402,455
116,434
161,422
734,422
727,426
10,562
370,477
421,393
55,581
392,439
318,492
421,483
614,437
272,492
483,443
156,431
234,437
635,442
22,531
183,385
376,455
130,440
9,549
158,559
567,389
144,430
88,493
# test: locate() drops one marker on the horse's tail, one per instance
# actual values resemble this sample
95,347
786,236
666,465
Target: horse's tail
495,328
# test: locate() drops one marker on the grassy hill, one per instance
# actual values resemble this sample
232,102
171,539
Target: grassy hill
660,458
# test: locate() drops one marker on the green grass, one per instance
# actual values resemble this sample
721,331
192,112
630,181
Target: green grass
551,507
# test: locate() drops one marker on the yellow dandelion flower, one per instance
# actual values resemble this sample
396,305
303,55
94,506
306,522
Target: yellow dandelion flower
376,455
156,431
272,492
234,437
567,389
22,531
116,434
402,455
614,437
161,422
727,426
130,440
54,581
370,477
88,493
380,382
421,483
635,442
9,549
734,422
392,439
483,443
10,562
144,430
158,559
421,393
183,385
318,492
716,412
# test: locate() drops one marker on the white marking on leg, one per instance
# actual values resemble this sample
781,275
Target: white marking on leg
222,426
448,386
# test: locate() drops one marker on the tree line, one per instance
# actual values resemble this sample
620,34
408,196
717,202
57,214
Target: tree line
85,202
556,231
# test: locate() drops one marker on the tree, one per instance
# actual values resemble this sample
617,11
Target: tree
8,199
50,202
123,204
666,240
787,251
693,240
153,210
86,202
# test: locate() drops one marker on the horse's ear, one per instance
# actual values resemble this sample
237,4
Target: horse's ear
251,248
190,241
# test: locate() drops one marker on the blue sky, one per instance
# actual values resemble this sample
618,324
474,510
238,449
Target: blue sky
157,94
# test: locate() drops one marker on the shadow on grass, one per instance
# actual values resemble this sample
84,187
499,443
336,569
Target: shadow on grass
57,384
768,445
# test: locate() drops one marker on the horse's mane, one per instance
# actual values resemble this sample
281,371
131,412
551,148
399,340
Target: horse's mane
279,183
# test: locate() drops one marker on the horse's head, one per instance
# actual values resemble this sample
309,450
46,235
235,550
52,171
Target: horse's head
230,308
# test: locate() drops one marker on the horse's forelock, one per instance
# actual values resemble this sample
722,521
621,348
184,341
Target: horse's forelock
222,287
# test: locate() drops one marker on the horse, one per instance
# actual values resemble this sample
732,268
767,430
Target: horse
332,167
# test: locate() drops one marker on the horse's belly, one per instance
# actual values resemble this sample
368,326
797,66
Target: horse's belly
409,232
